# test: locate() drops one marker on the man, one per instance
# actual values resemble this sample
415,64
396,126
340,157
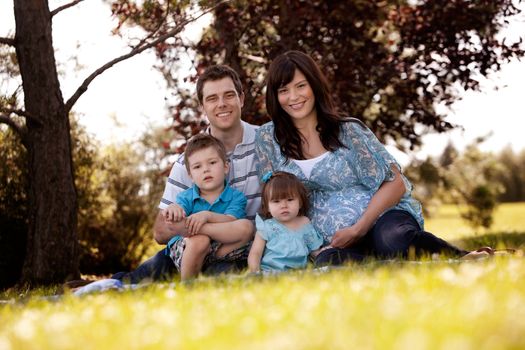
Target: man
220,95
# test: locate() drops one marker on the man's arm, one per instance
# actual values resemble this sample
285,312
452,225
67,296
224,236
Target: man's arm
178,181
163,230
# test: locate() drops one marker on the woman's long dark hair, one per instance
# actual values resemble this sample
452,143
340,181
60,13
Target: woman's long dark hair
280,73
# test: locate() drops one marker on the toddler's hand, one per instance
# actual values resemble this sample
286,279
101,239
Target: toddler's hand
174,213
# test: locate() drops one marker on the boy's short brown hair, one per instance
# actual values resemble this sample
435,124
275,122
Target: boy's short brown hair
201,141
284,185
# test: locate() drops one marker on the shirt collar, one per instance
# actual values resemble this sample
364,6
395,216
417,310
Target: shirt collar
225,195
248,132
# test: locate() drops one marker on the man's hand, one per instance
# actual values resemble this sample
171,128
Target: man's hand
195,221
174,213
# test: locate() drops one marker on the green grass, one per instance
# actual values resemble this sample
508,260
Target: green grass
400,305
448,224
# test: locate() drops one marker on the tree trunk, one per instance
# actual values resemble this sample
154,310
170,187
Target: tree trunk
52,247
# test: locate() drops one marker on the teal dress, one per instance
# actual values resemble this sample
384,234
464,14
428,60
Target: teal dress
286,248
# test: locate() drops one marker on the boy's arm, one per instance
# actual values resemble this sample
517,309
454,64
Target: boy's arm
195,221
231,226
216,217
229,232
256,253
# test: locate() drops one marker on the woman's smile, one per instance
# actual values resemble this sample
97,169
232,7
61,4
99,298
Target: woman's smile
297,98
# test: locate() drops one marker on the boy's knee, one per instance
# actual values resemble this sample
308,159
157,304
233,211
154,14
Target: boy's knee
248,230
198,243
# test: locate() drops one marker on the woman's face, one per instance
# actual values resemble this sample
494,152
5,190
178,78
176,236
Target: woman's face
297,98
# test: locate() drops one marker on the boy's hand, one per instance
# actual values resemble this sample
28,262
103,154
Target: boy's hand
174,213
195,221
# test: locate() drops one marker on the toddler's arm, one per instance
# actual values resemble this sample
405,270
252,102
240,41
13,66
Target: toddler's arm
256,253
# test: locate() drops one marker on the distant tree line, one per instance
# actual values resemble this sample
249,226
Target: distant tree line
479,180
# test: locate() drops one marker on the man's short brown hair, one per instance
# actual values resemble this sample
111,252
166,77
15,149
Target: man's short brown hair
218,72
202,141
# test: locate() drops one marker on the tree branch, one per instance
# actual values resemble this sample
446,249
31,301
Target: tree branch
149,36
135,51
7,41
66,6
20,130
22,113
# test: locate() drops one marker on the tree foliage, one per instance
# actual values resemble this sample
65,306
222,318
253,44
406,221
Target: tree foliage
389,62
511,175
118,203
13,208
470,179
118,190
41,121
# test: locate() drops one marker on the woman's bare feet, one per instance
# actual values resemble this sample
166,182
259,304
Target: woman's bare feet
480,253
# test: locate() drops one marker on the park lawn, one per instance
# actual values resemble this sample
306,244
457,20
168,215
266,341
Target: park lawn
376,305
448,224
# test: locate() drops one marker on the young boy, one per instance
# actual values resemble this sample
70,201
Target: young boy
209,200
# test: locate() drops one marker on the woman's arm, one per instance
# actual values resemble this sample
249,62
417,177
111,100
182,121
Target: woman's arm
256,252
388,195
264,151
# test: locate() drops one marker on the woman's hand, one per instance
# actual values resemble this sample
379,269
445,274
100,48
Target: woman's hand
347,236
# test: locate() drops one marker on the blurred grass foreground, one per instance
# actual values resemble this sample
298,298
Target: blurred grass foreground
376,305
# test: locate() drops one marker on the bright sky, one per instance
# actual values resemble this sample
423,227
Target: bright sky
127,98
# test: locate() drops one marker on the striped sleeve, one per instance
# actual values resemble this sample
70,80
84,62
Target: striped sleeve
177,181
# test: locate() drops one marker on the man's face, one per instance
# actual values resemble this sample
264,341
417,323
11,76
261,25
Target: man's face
222,104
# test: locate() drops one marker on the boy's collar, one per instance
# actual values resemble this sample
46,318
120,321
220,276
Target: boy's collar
225,193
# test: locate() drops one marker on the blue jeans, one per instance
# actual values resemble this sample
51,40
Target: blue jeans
160,267
391,236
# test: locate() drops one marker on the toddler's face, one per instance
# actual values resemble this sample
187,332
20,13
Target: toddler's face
284,209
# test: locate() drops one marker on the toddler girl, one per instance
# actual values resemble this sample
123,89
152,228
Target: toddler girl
286,237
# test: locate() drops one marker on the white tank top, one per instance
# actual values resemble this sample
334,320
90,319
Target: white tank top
307,165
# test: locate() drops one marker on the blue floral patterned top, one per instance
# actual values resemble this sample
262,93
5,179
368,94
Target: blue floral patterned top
341,184
286,248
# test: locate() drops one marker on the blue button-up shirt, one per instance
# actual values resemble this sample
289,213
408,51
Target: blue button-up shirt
230,202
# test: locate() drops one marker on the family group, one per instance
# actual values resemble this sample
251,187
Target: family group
311,184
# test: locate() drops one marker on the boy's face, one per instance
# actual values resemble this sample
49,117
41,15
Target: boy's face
207,170
222,104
